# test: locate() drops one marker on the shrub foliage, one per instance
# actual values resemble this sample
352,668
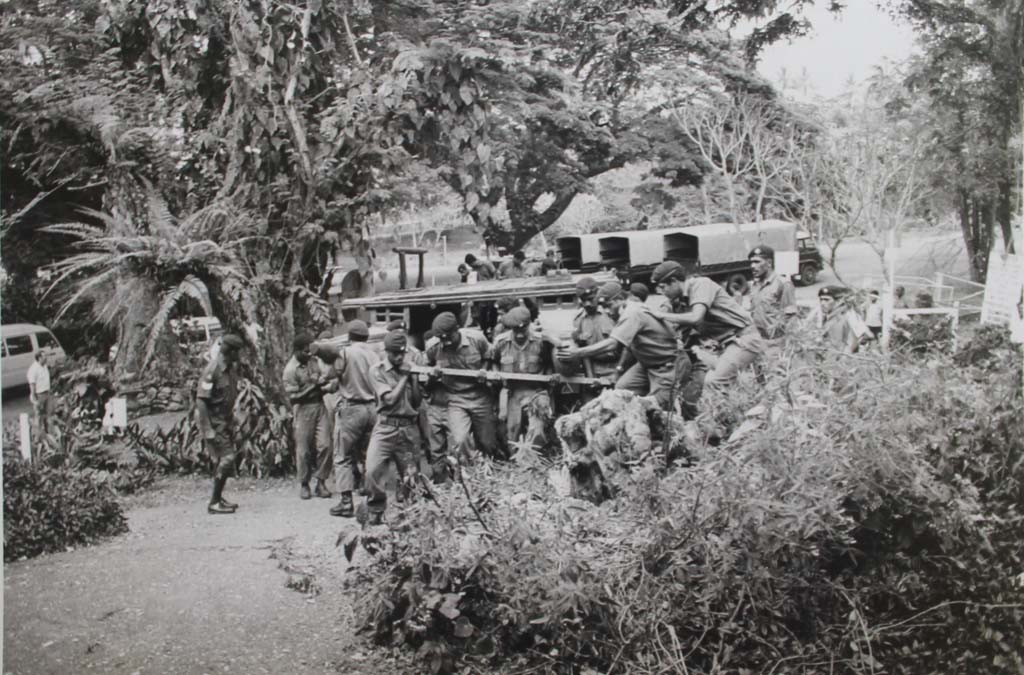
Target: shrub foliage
864,516
49,508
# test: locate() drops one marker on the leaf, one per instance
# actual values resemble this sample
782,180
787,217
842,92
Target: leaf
466,94
472,199
483,151
449,609
349,547
463,628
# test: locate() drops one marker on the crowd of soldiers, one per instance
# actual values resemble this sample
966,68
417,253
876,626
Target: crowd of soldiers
367,418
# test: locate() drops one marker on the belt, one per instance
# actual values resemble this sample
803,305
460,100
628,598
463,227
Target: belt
397,421
358,401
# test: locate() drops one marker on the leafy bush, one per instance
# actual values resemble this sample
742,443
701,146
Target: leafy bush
50,508
864,516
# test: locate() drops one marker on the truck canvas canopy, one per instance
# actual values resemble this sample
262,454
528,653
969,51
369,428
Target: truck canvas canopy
724,243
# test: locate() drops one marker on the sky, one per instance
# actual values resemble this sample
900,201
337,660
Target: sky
837,48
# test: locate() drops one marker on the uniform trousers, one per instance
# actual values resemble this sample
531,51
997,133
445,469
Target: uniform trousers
393,441
312,442
353,423
471,418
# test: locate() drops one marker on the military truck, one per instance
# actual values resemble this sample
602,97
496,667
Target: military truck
718,250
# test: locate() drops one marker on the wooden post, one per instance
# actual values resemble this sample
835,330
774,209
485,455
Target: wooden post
419,277
403,277
26,437
890,298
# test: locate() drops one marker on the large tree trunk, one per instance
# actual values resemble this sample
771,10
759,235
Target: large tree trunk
166,364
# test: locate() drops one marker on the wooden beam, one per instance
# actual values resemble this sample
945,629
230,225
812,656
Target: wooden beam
496,376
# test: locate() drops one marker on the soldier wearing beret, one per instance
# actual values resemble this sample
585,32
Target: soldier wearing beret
713,315
215,403
836,331
470,403
305,384
520,350
590,326
651,342
772,298
355,414
396,435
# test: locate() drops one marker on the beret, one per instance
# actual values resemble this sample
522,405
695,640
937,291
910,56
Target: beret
586,286
667,271
516,317
505,303
828,292
639,290
444,323
358,327
233,341
766,252
395,341
612,289
397,324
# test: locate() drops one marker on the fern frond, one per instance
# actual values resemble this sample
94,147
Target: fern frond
161,222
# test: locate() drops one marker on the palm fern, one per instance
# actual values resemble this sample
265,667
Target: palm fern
121,269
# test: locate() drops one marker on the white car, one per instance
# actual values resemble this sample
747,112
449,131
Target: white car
21,341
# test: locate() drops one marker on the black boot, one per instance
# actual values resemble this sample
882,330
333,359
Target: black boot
344,508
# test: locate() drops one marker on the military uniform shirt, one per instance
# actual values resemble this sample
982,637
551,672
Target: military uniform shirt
471,354
771,303
589,330
353,367
300,376
653,342
218,386
510,270
513,358
385,379
724,316
484,270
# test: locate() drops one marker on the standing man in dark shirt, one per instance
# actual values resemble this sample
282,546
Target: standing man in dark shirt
483,268
356,413
396,435
305,383
215,406
470,403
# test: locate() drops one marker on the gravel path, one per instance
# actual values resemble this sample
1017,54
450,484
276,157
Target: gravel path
187,592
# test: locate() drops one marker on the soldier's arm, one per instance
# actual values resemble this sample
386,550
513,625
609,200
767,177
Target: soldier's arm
293,387
204,390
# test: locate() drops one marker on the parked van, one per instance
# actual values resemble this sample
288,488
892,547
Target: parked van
21,341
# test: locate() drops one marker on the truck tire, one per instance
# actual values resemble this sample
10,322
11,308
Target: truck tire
808,274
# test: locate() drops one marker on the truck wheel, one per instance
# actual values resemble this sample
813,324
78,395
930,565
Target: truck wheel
808,274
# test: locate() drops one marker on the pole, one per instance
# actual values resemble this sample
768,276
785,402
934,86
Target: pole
26,437
890,297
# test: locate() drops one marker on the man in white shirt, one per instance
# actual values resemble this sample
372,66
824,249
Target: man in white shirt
39,391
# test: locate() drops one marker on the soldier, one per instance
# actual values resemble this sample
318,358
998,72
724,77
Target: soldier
713,315
215,404
836,331
470,404
521,350
304,383
772,298
434,427
396,436
590,326
483,268
651,342
514,268
355,414
639,292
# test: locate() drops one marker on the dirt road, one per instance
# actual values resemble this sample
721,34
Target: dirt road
187,592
